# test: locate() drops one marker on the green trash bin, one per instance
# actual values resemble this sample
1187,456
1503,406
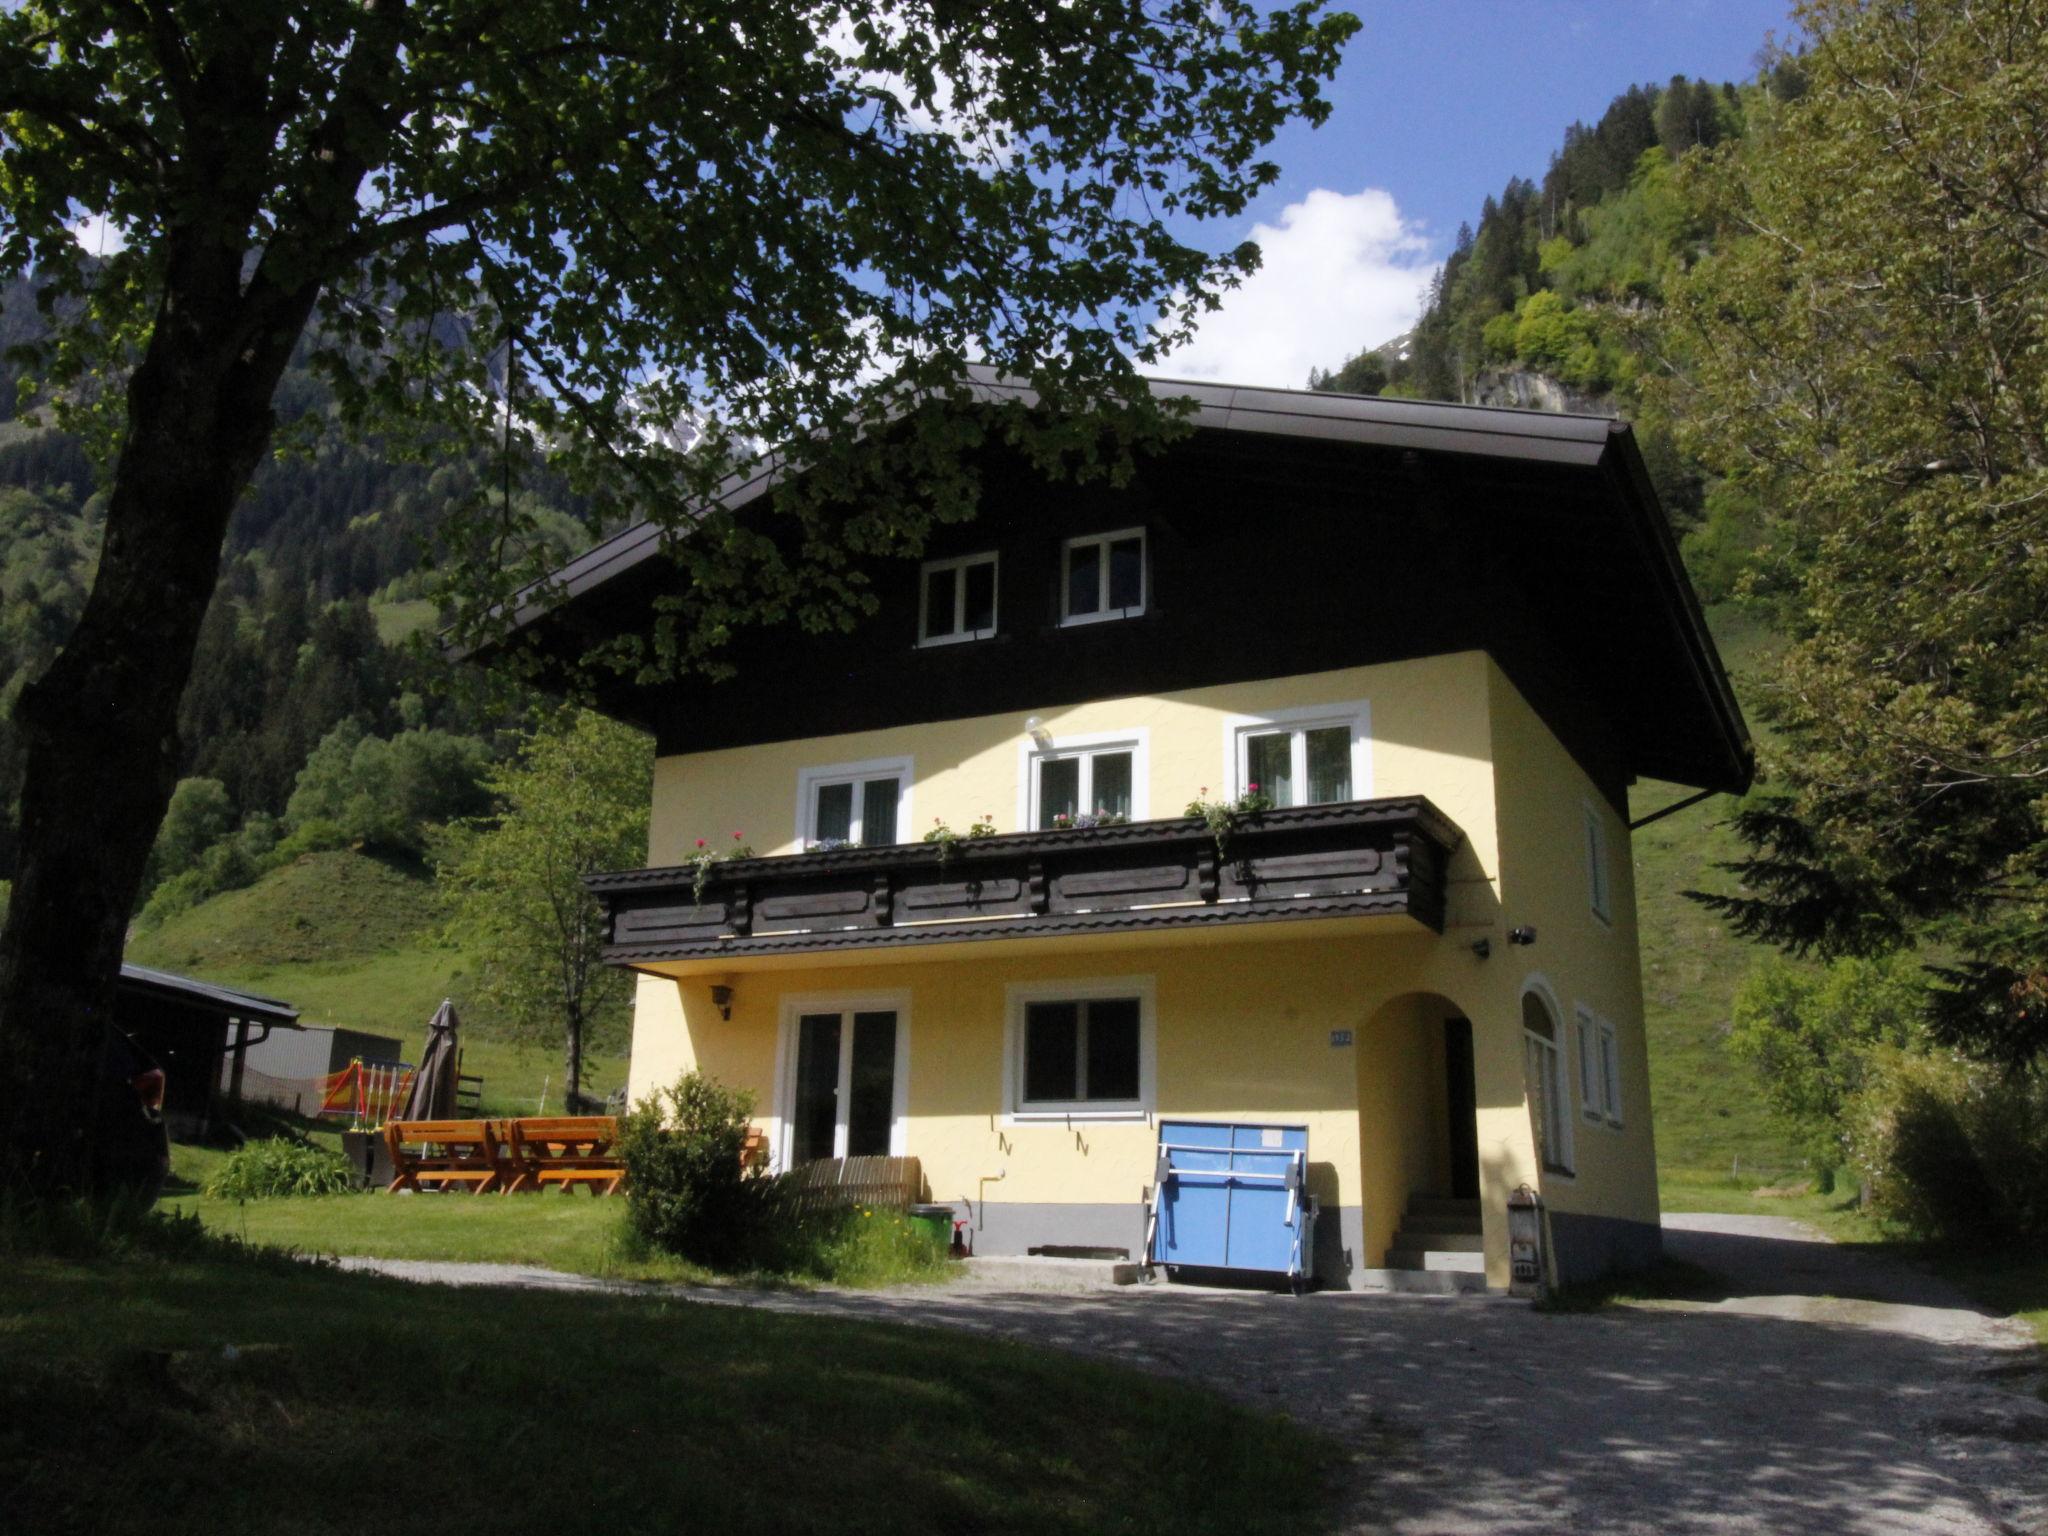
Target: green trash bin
935,1221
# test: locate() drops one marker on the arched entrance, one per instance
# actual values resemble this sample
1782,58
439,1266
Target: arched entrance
1419,1136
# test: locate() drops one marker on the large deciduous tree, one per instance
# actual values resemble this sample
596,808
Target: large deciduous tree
573,803
1870,346
559,230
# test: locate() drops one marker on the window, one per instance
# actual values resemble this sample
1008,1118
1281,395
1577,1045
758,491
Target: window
1103,577
1596,866
1302,757
1610,1071
957,600
853,804
1080,1048
1549,1090
1082,788
1591,1094
841,1078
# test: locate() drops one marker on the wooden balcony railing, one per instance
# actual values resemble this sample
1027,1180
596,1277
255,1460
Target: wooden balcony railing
1360,858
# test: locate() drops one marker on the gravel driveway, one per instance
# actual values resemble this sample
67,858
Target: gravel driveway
1832,1393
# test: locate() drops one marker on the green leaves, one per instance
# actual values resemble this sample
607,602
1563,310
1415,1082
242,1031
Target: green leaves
1870,349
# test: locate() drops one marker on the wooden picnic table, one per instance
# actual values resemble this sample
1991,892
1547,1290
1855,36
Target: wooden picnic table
568,1150
470,1152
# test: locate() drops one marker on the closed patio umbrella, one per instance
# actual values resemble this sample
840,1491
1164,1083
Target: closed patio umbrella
432,1096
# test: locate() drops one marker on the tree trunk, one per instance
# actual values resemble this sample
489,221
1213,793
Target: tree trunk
572,1063
100,727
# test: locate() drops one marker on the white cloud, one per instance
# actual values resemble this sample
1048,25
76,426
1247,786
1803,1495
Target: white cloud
1342,271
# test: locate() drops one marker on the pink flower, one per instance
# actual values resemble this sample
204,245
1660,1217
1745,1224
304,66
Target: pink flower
1251,789
736,837
700,842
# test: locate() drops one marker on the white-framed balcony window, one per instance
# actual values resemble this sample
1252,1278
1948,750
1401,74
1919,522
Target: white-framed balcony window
842,1077
1084,781
844,805
1316,756
1080,1049
1550,1093
1599,894
957,600
1103,576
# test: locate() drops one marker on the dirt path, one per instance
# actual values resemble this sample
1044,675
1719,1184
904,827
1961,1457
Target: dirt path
1834,1393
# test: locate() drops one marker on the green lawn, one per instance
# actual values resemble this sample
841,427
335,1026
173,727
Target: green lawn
553,1230
221,1395
406,616
1709,1118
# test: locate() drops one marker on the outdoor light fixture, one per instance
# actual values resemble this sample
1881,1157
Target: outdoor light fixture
721,999
1523,935
1481,948
1035,729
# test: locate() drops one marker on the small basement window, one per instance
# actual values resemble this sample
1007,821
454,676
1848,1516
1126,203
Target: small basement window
1103,577
957,600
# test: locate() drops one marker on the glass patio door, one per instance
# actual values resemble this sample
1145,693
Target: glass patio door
844,1104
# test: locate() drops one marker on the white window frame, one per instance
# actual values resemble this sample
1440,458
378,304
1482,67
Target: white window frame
1355,714
1599,865
1030,755
810,780
1017,998
1586,1037
1105,613
781,1124
958,566
1610,1071
1557,1079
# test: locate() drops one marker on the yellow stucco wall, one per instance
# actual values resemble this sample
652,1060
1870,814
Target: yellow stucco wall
1244,1016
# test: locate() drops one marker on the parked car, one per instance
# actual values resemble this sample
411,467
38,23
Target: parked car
132,1146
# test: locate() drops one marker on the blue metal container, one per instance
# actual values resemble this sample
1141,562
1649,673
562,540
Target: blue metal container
1233,1197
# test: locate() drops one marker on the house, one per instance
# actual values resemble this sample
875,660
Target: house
1442,640
198,1032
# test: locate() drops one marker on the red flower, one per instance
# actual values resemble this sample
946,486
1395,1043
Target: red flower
1251,789
735,837
700,842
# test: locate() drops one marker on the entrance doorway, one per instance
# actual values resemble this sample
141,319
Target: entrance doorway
1461,1100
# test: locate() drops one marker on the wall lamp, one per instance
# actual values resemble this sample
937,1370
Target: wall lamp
721,999
1524,935
1040,736
1482,948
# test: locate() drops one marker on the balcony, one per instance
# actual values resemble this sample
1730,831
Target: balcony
1361,858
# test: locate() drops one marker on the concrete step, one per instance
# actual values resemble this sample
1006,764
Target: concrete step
1443,1205
1423,1221
1445,1242
1423,1282
1030,1272
1436,1260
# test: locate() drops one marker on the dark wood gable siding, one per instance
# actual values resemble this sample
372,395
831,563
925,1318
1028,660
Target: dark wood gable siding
1268,557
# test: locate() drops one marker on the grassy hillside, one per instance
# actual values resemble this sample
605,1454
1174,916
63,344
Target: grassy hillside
1707,1111
350,939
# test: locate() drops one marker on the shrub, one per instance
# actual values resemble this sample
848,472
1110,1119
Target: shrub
688,1190
1953,1150
867,1246
279,1166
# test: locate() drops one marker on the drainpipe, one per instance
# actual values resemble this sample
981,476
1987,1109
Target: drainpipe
981,1220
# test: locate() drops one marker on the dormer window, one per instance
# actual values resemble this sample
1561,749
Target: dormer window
957,601
1103,577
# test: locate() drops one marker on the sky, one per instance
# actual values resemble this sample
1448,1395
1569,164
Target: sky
1436,105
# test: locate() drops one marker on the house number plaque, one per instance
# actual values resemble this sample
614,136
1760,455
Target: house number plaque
1339,1037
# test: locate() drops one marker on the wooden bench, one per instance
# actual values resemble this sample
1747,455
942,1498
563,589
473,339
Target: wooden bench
568,1150
468,1152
